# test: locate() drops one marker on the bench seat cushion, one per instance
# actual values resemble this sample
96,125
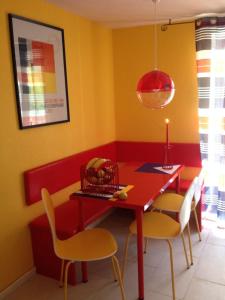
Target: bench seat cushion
184,185
187,175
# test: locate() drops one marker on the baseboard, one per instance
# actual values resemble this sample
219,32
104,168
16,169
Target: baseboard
17,283
100,219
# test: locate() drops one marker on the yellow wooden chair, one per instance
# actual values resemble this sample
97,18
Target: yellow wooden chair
88,245
171,202
157,225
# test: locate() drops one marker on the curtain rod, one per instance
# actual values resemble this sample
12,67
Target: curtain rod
192,19
164,27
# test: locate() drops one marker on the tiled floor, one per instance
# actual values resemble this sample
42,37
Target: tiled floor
203,281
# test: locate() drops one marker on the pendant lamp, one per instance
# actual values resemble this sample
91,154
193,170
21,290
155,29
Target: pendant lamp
155,89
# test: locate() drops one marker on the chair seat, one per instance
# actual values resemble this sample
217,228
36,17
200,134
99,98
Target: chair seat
169,201
157,225
87,245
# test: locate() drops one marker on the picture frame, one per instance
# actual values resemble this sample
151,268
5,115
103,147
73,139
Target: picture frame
39,67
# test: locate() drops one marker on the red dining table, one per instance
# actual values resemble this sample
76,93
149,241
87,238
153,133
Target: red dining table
147,185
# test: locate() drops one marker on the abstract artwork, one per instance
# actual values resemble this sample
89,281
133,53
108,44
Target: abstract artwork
39,72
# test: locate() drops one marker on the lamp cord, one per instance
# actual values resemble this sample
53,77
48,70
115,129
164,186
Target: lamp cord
155,36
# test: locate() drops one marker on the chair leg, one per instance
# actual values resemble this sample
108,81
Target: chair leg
189,241
61,273
185,250
114,269
125,254
197,224
65,279
117,268
172,270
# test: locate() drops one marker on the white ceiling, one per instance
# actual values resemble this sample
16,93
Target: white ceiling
125,13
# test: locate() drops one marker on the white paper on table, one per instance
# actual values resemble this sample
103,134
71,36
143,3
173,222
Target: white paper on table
171,171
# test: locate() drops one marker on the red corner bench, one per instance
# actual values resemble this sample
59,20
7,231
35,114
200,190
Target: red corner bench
56,176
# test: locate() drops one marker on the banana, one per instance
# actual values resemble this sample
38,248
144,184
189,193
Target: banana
98,163
91,162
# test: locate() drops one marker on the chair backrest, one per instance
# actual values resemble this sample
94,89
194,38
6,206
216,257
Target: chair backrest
185,211
199,186
49,208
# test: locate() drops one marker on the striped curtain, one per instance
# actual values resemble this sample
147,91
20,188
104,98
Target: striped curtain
210,53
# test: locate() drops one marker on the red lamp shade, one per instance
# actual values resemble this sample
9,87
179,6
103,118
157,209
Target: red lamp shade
155,89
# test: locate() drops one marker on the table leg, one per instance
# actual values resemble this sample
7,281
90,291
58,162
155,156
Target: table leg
81,227
139,219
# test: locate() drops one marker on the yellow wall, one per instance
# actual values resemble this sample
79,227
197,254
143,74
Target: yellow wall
90,86
133,56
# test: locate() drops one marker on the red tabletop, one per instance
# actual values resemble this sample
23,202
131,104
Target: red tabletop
147,186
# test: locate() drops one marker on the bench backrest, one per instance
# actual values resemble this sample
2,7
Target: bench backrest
179,153
61,173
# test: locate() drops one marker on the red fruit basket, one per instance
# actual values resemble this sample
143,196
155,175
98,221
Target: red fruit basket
103,179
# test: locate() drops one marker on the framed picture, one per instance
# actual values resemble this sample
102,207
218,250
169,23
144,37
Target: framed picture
39,67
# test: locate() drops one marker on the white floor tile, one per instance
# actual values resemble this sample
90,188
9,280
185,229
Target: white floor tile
217,237
211,264
204,290
161,282
156,296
